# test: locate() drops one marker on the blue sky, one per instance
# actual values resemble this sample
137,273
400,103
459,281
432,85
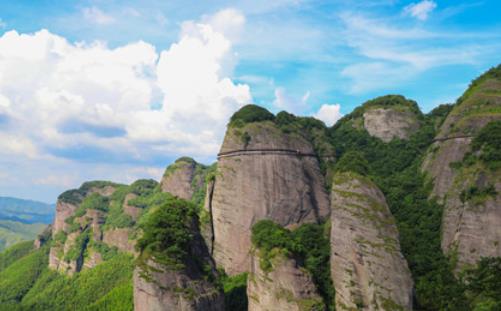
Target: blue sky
118,89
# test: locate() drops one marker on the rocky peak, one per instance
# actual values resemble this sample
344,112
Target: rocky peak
183,178
368,270
180,276
390,117
265,171
461,179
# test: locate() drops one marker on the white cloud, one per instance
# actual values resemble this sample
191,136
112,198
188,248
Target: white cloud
329,114
420,10
284,101
96,16
130,104
392,54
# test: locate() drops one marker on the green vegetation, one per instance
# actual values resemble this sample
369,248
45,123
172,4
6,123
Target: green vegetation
353,161
235,291
28,284
308,243
488,143
75,196
395,168
14,253
493,73
12,232
167,232
250,113
482,285
17,278
388,101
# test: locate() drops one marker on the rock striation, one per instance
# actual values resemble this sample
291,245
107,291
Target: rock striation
274,175
286,287
470,228
367,268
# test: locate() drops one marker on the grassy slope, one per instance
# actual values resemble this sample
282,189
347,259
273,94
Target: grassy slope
12,232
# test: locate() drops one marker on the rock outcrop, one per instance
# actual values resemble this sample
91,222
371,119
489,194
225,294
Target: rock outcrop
368,270
470,227
183,178
390,123
274,175
119,238
43,237
165,290
286,286
71,232
185,286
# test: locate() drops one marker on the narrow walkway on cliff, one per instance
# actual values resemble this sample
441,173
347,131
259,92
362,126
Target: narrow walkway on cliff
264,151
452,137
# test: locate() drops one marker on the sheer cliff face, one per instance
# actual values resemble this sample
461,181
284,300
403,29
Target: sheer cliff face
368,270
280,181
183,178
285,287
158,287
175,290
390,123
470,227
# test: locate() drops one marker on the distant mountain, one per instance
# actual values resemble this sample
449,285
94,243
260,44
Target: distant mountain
26,211
22,220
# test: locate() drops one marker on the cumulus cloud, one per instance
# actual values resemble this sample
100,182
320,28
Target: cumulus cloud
130,104
420,10
96,16
329,114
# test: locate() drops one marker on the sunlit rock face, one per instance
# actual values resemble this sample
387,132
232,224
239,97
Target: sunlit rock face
471,224
285,287
285,186
368,270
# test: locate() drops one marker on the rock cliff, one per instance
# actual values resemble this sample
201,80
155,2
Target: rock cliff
286,286
183,178
470,227
273,174
367,267
180,276
387,117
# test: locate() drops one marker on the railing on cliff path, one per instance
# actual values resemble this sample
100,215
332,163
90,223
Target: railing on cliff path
265,151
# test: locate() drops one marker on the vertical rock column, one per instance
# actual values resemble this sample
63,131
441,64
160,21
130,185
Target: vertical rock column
368,270
285,187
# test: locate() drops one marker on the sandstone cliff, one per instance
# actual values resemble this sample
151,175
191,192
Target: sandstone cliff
470,227
387,117
183,178
286,286
181,275
91,220
367,267
275,175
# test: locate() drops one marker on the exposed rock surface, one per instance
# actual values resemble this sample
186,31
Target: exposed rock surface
64,210
180,178
470,230
286,287
158,287
133,211
175,290
43,237
390,123
286,188
120,238
368,270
